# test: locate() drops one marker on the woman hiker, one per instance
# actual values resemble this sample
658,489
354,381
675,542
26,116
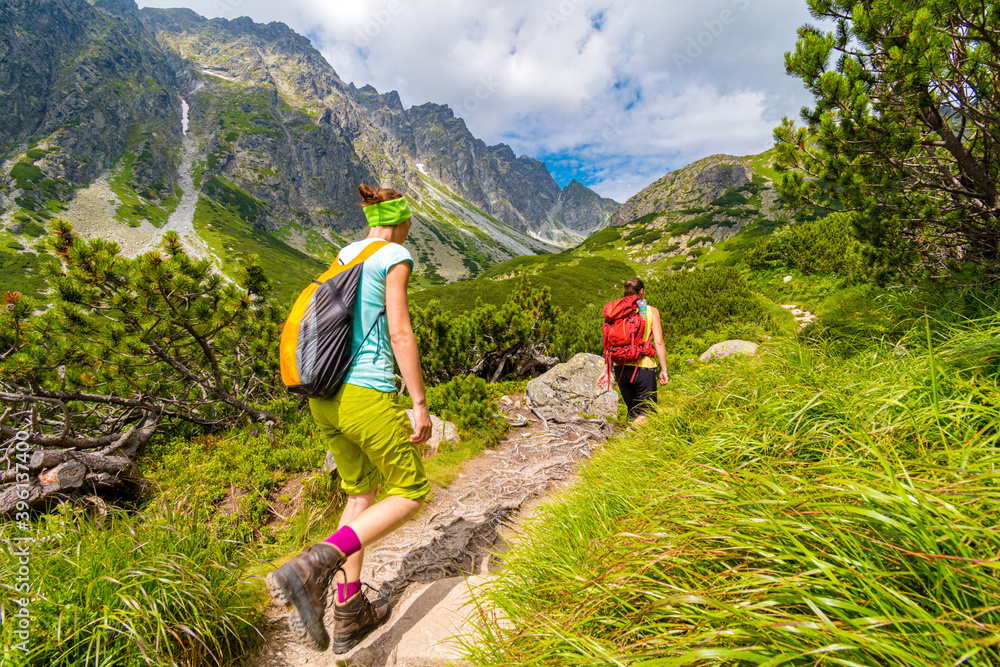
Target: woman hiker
638,385
370,437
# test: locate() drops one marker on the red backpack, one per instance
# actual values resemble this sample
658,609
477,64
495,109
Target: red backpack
624,333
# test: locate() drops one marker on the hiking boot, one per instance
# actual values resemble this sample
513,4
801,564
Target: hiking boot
301,585
354,619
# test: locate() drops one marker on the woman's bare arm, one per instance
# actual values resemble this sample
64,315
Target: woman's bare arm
661,349
404,346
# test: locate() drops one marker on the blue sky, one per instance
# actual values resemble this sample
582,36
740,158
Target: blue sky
613,93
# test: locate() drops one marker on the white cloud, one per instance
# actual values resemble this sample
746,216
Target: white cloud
613,92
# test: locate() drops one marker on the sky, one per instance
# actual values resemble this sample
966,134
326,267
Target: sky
612,93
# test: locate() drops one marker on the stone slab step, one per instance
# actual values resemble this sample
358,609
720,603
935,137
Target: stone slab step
424,629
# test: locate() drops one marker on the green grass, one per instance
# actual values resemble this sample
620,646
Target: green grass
208,468
233,240
237,201
600,240
575,282
818,293
762,164
31,229
26,174
796,509
709,304
729,253
259,119
443,467
157,587
134,207
730,199
318,245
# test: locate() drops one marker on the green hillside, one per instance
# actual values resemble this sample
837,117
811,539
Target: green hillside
718,232
575,281
232,240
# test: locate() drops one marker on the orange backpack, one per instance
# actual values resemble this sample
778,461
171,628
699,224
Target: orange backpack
315,350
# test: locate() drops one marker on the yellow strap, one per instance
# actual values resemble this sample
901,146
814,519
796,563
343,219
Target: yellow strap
336,268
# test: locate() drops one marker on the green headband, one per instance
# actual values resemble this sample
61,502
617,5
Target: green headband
390,212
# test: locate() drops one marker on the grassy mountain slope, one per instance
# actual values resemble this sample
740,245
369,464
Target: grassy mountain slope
706,214
709,212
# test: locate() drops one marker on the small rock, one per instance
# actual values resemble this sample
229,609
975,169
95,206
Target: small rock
517,420
441,431
730,348
788,279
329,464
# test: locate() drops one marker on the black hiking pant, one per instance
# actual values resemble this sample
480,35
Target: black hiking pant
639,392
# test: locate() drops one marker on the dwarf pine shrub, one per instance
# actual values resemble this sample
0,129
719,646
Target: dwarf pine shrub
466,401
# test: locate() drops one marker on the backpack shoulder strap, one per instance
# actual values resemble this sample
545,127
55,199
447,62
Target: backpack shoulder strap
337,267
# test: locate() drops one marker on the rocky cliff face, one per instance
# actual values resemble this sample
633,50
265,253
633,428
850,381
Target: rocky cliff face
579,212
695,186
270,118
518,191
279,130
81,84
107,105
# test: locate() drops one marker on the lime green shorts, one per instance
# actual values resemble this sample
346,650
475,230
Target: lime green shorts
368,433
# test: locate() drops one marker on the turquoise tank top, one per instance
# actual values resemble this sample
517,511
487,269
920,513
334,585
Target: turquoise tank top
374,364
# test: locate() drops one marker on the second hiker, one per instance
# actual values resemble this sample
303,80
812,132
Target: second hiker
637,376
370,437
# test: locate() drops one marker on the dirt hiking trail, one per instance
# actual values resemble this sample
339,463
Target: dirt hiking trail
427,567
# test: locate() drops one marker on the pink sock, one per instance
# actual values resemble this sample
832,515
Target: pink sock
346,540
346,591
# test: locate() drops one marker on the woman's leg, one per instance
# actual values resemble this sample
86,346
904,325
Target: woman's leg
645,388
372,521
355,506
384,517
369,436
623,374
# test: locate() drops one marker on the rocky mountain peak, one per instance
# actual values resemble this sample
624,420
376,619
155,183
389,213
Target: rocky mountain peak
691,211
692,187
374,100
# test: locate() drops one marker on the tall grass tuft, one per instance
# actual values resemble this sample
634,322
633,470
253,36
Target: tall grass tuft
796,509
153,588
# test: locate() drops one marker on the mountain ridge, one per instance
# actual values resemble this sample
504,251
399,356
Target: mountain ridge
278,142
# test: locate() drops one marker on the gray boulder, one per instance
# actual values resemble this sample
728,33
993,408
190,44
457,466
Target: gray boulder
571,388
442,431
730,348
